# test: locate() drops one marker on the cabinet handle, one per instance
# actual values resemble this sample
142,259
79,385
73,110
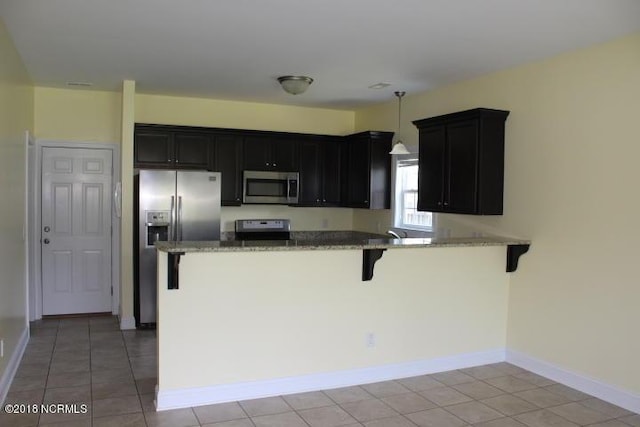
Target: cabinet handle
439,203
267,163
317,200
446,203
274,165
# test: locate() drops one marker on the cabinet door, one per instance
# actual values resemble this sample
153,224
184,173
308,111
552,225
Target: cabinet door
310,173
331,182
431,169
257,153
153,149
284,155
358,170
228,161
191,150
462,167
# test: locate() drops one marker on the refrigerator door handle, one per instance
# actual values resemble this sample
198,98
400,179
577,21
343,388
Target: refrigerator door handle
172,223
179,218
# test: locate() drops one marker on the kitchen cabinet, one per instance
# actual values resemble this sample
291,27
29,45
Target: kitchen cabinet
461,162
226,158
156,147
368,170
320,171
270,153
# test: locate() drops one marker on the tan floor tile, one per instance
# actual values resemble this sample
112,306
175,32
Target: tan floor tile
483,372
542,398
85,422
116,406
606,407
65,366
543,418
633,420
579,414
348,394
568,392
367,410
437,417
148,402
126,420
501,422
535,379
511,384
219,412
112,376
508,368
235,423
408,403
478,390
329,416
610,423
385,388
173,418
74,415
420,383
398,421
28,396
315,399
509,405
287,419
444,396
474,412
266,406
452,377
39,369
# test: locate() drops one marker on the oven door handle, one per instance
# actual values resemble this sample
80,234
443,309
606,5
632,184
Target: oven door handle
288,190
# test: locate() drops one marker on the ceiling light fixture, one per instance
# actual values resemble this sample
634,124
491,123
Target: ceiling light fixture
398,147
295,85
379,85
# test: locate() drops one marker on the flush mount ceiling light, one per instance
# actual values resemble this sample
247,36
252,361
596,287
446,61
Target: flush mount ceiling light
295,85
398,147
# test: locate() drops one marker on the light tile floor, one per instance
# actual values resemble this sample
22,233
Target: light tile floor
88,360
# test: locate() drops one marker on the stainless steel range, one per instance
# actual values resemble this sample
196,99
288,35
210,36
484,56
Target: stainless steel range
263,229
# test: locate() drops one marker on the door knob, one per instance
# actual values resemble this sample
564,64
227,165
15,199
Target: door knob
45,241
47,229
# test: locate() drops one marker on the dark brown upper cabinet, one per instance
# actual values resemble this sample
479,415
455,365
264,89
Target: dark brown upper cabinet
367,170
158,147
270,153
461,162
226,158
320,173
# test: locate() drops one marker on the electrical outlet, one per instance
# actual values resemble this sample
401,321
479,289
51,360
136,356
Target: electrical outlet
370,340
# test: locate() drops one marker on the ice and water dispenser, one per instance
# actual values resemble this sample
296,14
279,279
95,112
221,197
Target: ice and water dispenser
157,224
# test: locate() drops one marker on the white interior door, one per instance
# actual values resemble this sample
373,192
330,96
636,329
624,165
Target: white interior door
76,230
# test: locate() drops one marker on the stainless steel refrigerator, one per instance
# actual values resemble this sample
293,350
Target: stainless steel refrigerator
172,205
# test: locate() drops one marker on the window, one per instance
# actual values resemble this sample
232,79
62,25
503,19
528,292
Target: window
406,214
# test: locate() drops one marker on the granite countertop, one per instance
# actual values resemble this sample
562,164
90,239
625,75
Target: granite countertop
333,240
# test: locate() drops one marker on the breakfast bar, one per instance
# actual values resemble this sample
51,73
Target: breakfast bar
299,315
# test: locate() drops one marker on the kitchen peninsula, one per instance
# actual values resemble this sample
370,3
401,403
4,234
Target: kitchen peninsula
279,317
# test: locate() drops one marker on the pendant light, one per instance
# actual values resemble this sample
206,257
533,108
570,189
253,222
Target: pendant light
398,147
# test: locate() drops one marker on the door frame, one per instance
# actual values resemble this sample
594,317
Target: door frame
35,221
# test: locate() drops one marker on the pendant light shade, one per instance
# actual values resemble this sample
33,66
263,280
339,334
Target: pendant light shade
295,85
398,146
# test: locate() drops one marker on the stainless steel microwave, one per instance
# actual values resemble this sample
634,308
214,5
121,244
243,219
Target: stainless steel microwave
270,187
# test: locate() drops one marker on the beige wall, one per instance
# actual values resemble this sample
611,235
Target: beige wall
77,115
276,315
572,148
16,116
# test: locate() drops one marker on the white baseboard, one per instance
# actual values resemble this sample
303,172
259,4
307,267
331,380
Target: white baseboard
184,398
606,392
127,322
14,362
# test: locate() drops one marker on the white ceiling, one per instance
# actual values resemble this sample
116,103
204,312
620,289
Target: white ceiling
235,49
